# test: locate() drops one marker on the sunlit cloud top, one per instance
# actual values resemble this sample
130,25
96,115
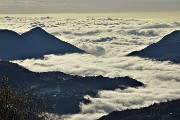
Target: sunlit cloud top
83,6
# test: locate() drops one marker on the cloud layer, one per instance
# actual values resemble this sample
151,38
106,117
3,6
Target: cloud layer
108,39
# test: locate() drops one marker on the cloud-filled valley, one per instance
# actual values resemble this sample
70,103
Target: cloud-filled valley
108,40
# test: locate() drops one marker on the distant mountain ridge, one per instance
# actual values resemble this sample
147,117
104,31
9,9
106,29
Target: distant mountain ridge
162,111
62,92
33,44
167,49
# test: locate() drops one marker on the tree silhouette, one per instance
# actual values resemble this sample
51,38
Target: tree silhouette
15,105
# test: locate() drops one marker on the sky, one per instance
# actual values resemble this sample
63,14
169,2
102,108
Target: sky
87,6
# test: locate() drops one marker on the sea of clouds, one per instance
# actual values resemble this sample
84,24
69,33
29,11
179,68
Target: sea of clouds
109,40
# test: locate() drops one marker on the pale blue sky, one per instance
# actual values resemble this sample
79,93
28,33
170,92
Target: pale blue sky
76,6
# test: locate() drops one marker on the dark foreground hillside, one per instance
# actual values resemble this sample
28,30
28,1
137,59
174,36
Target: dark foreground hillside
62,92
162,111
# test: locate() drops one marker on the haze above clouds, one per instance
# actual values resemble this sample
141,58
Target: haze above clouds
108,39
83,6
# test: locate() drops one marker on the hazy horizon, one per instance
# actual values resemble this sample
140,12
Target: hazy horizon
140,15
85,6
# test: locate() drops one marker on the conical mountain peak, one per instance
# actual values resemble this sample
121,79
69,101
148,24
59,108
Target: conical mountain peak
8,32
36,30
33,44
175,32
173,37
167,49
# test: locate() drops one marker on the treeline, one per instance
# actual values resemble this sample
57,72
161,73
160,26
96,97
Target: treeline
16,105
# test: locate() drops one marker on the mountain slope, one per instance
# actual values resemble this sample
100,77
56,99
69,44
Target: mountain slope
62,92
34,44
166,49
162,111
40,37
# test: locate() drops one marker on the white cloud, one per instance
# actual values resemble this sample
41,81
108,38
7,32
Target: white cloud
157,25
143,32
108,59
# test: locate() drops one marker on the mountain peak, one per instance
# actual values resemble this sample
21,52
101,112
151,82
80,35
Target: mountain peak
33,44
37,30
167,49
176,32
8,32
173,37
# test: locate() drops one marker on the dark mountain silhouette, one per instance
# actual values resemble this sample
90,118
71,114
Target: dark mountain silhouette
33,44
168,48
161,111
62,92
